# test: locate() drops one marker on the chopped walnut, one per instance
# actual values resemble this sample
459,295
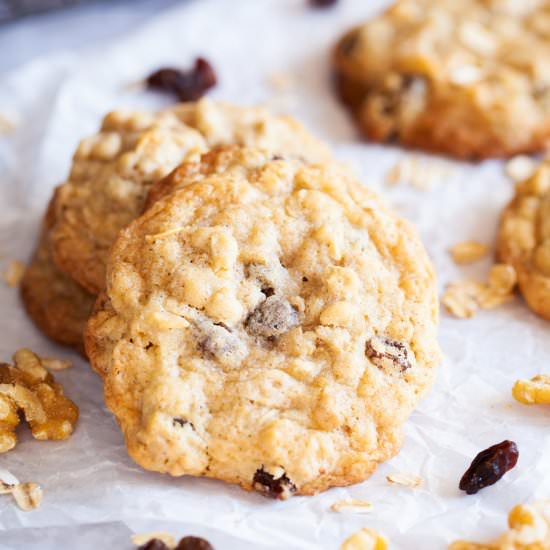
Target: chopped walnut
14,273
468,252
533,392
464,298
407,480
529,530
387,354
29,388
366,539
352,505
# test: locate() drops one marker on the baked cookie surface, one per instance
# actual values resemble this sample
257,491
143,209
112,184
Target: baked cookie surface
267,322
524,238
470,79
113,170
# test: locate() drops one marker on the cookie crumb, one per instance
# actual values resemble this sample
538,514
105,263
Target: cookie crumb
468,252
280,82
365,539
14,273
407,480
145,538
419,173
535,391
352,505
520,168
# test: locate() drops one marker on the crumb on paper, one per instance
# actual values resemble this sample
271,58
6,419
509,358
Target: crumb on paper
27,387
280,82
421,174
365,539
7,124
28,495
468,252
463,299
144,538
407,480
55,364
520,168
14,273
352,505
535,391
529,529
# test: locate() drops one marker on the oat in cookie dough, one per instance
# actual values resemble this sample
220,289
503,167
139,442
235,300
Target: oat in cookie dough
524,238
113,170
268,323
470,79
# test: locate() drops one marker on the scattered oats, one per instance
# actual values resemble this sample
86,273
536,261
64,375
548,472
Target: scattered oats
408,480
366,539
420,173
520,168
6,488
535,391
14,273
461,298
280,82
468,252
28,496
167,538
352,505
7,124
55,364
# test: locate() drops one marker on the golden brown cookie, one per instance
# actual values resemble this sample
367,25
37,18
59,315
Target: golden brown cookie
524,238
470,79
113,170
267,322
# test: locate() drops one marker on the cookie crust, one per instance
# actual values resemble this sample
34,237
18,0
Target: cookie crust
266,322
468,79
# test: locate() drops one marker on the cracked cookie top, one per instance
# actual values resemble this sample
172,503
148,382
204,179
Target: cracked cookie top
113,170
267,322
469,78
524,238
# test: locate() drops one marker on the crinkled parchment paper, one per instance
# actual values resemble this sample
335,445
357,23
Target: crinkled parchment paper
94,496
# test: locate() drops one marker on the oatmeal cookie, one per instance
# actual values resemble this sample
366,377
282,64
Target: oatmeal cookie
470,79
113,170
524,238
267,322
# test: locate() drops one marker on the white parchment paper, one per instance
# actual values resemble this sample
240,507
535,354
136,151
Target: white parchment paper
94,496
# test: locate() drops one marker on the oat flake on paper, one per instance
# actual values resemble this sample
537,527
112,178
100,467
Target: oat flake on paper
93,490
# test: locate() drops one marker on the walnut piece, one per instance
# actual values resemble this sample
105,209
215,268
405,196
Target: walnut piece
29,388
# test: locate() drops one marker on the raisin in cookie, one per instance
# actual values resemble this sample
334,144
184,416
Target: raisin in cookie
113,170
469,78
267,322
524,238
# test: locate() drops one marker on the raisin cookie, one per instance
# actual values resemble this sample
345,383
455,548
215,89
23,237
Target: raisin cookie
113,170
267,322
470,79
524,238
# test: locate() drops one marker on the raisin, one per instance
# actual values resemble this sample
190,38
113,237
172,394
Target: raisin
386,353
273,317
182,422
267,292
194,543
280,488
154,544
185,85
216,341
489,466
322,3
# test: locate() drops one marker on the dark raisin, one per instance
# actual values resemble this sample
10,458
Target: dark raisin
148,346
267,292
277,157
194,543
305,279
154,544
322,3
181,422
280,488
272,318
185,85
489,466
386,353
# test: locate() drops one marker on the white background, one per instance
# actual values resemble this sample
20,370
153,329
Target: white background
94,496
